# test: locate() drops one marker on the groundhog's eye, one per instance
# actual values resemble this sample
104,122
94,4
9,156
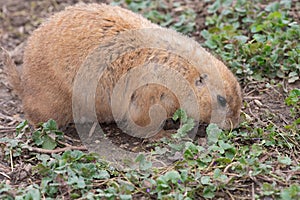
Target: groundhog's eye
221,100
200,81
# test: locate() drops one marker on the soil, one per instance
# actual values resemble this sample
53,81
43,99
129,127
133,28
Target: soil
263,101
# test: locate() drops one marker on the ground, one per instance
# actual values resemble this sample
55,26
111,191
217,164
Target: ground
263,101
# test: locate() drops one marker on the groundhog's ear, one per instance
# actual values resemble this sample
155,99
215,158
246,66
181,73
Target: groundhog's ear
201,81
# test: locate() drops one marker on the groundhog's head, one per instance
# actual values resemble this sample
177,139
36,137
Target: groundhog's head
219,96
209,94
216,90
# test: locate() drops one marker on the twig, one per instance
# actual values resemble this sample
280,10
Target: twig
210,165
247,94
7,128
59,150
228,166
253,191
4,174
230,195
72,139
98,183
270,180
63,143
251,97
11,160
7,131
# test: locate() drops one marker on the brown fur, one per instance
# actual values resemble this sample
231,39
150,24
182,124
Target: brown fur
57,49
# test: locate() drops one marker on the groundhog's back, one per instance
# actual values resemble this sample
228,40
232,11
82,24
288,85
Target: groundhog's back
56,50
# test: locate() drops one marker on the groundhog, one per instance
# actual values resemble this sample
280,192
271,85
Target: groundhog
66,42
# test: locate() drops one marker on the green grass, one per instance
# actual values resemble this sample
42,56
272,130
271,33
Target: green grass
255,43
160,13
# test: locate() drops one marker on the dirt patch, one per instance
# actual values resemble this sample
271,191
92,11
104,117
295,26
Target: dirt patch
264,103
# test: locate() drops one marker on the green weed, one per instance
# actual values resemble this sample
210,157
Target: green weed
160,13
293,100
254,42
46,135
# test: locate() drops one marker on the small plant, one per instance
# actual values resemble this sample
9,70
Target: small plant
47,134
173,147
187,124
294,100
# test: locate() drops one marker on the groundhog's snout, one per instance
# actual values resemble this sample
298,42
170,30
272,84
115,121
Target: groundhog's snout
219,97
229,110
